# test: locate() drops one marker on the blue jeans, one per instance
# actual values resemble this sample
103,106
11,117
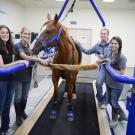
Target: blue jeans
99,83
6,95
113,96
21,91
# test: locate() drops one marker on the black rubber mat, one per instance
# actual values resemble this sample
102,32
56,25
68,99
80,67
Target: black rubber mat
85,121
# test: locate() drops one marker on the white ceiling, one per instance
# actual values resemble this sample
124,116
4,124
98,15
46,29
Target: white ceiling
119,4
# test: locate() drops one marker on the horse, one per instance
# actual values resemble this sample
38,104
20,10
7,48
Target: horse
53,33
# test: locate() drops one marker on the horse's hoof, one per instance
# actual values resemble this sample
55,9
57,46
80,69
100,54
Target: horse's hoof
53,115
70,116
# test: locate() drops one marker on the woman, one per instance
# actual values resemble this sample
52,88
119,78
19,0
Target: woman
23,78
6,82
114,88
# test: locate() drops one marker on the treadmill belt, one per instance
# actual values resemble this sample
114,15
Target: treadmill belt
84,108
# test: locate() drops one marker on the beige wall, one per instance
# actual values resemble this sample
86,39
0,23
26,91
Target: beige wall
14,15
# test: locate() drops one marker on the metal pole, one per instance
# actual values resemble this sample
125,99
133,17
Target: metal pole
63,8
98,13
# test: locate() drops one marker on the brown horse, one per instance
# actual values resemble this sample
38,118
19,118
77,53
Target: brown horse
53,33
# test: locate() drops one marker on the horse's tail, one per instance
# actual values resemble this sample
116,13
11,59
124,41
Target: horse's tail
73,67
79,51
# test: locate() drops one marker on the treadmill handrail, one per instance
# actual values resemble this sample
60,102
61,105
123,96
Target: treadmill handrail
120,78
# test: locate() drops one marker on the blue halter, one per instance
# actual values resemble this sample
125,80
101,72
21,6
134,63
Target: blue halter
45,43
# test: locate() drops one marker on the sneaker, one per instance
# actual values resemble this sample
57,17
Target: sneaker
113,123
8,132
74,96
18,121
24,115
99,104
102,106
122,116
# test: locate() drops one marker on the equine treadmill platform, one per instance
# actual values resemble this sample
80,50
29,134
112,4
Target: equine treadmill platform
84,108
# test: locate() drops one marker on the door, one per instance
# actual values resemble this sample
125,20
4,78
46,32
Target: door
84,36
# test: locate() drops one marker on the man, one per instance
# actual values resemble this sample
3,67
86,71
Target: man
103,51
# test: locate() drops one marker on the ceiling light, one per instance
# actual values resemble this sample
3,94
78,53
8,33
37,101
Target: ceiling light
60,0
108,0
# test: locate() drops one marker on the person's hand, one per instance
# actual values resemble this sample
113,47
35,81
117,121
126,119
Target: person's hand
43,62
103,61
50,60
99,61
38,59
108,61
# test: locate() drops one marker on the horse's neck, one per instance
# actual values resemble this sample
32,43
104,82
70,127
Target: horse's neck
64,49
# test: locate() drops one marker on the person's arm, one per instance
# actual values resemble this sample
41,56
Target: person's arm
99,60
27,57
87,51
24,56
2,65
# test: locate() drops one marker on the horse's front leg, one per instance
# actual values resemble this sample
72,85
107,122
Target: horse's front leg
70,114
74,88
55,80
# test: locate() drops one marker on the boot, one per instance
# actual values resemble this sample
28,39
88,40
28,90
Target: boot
122,115
23,106
114,121
18,114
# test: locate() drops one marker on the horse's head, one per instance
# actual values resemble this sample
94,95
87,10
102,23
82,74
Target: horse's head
49,35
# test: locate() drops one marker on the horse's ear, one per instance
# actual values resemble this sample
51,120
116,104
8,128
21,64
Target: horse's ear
56,18
48,16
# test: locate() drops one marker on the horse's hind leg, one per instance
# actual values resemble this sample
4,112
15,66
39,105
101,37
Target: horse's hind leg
55,80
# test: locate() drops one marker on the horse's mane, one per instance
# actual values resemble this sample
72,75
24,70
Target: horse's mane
65,29
71,40
46,23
